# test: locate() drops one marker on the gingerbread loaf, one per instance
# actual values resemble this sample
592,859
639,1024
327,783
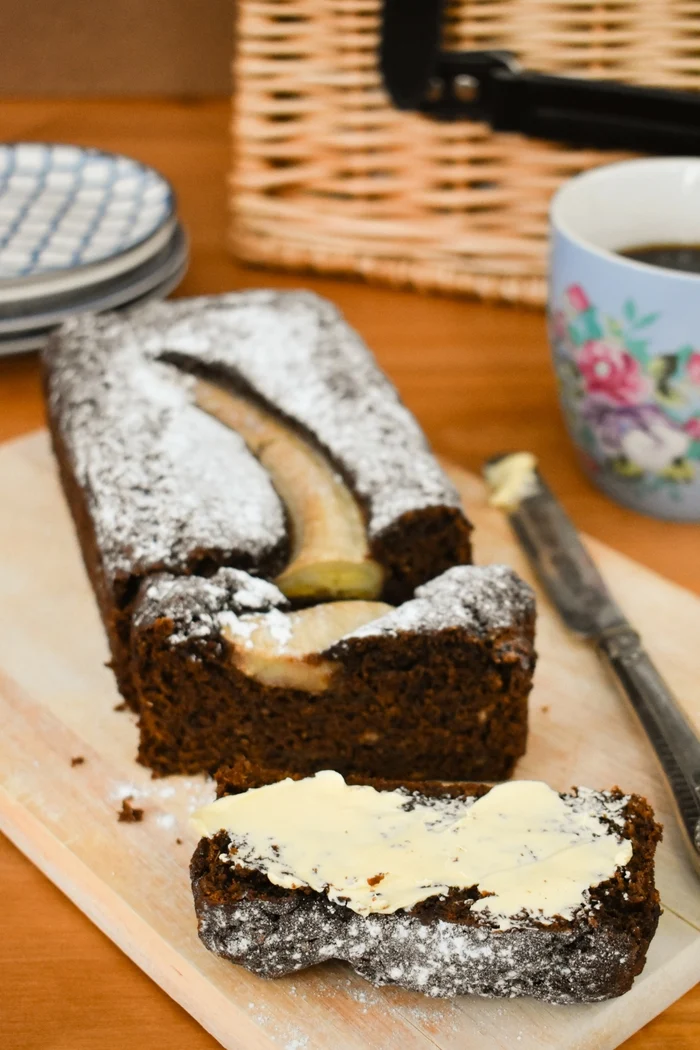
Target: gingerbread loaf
446,889
251,496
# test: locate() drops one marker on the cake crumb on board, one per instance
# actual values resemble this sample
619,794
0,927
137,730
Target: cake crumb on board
77,760
129,814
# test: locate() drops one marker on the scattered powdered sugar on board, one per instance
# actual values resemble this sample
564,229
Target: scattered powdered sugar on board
166,804
297,1042
287,1036
126,790
333,981
166,820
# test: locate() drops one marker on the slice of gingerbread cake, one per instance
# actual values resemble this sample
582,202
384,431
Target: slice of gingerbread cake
446,889
436,687
281,564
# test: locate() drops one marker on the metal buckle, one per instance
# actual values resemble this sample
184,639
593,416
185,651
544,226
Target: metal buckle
463,84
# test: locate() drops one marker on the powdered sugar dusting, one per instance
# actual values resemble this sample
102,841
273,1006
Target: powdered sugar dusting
165,481
240,627
167,805
270,340
200,606
166,820
481,599
278,624
279,627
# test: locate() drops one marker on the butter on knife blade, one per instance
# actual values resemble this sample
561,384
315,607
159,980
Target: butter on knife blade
573,582
511,479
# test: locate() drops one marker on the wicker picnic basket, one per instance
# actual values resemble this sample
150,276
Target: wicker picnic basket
329,176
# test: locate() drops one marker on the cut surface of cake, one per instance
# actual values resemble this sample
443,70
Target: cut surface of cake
446,889
260,517
425,690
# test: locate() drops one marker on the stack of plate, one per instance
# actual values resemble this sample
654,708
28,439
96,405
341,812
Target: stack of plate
80,230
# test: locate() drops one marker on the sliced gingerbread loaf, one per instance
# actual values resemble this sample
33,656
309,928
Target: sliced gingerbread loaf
254,432
157,483
435,688
445,889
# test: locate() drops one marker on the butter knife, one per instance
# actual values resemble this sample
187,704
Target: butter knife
573,583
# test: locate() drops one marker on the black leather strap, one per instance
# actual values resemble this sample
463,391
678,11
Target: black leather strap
490,86
409,48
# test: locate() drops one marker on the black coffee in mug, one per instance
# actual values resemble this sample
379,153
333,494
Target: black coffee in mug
668,256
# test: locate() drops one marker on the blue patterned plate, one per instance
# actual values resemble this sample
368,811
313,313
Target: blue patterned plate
162,270
66,211
22,342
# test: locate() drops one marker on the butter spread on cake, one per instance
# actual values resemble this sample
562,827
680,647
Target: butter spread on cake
444,888
522,845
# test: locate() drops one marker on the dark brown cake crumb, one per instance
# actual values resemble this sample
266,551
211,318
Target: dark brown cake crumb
178,842
129,814
77,760
121,707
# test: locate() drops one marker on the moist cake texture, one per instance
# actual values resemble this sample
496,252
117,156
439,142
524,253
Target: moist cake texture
530,923
435,688
184,530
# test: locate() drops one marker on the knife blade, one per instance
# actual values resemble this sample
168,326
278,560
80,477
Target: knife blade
577,589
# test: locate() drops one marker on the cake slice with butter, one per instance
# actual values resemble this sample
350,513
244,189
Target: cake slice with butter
446,889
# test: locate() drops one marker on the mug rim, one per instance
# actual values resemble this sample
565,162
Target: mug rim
599,174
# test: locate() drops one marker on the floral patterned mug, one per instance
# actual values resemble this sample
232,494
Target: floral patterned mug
625,335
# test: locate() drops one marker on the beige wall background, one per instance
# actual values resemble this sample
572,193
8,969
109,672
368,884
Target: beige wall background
115,47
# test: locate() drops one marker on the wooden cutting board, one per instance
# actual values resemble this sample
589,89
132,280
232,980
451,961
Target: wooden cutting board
57,702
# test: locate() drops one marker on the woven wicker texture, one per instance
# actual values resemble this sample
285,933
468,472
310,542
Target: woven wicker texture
328,176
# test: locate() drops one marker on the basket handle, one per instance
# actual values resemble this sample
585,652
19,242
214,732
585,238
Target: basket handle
490,86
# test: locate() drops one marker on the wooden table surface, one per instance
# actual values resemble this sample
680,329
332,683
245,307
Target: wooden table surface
478,379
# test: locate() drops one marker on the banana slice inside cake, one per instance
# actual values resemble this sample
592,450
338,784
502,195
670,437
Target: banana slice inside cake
330,555
284,649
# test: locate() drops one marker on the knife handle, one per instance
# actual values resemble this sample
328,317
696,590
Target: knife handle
671,735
